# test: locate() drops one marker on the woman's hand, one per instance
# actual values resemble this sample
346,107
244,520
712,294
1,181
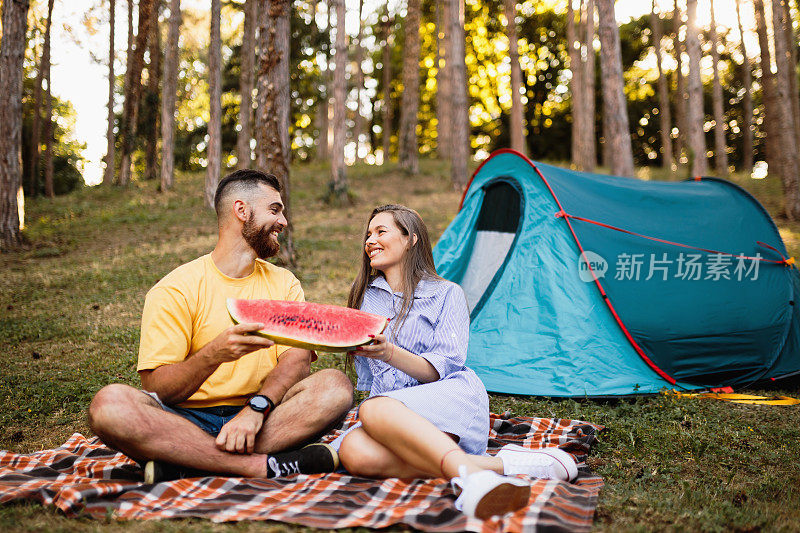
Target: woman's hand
379,349
412,364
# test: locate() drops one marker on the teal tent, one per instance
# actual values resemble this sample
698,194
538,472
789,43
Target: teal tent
591,285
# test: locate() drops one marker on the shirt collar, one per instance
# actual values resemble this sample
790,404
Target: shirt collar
426,288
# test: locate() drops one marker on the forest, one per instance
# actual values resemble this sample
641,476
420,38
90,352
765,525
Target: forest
278,83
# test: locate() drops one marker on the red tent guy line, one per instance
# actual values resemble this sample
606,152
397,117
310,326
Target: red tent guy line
625,331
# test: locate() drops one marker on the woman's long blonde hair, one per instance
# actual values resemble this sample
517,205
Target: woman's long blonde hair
417,260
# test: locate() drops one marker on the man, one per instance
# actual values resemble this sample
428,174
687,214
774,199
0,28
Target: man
216,397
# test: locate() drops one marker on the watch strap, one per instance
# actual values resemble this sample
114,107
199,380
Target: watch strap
270,406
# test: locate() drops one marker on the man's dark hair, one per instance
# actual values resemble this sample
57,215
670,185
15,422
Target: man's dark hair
241,180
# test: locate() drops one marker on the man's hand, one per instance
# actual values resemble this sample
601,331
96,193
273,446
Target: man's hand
235,342
239,434
176,382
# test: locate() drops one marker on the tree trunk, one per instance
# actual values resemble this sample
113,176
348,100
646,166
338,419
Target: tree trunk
517,127
695,116
771,113
776,123
126,88
131,35
272,104
372,138
375,111
576,88
12,56
169,94
784,97
337,188
615,112
133,90
408,149
36,134
664,115
589,159
458,78
791,70
108,174
215,116
244,154
358,129
791,43
269,138
720,148
280,78
49,127
747,100
605,154
680,84
444,111
153,97
386,73
323,143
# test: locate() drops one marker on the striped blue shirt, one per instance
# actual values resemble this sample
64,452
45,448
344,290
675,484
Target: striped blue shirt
436,328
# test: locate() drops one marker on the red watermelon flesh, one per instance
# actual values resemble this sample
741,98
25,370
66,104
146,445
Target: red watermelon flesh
329,328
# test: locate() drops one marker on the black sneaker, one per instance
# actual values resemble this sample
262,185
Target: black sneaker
313,459
157,471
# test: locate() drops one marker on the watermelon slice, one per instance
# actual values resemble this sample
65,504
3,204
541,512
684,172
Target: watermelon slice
328,328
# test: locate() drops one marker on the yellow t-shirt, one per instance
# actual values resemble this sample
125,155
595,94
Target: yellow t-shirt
186,310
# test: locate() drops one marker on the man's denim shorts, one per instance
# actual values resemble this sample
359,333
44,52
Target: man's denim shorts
209,419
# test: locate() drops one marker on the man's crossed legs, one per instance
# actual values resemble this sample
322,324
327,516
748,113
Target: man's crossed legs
129,420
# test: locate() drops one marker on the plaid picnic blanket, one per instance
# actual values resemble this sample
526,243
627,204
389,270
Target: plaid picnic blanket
83,477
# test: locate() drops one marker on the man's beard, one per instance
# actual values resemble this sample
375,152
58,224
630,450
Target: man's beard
259,239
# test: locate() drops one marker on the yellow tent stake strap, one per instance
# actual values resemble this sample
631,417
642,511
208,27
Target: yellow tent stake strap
738,398
776,400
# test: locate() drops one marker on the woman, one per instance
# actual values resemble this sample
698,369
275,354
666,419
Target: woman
427,414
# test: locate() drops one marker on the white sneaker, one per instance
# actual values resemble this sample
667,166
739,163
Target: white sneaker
545,463
485,494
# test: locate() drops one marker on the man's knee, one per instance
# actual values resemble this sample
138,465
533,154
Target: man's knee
333,388
111,405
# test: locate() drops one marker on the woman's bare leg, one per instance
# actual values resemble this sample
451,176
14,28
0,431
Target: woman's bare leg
396,441
362,456
415,442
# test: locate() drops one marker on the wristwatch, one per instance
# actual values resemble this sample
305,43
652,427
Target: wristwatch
261,404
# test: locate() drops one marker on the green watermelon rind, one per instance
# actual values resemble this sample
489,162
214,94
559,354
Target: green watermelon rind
285,341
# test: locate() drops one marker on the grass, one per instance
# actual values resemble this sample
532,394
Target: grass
70,307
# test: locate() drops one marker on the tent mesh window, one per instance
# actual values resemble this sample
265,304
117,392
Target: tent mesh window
496,229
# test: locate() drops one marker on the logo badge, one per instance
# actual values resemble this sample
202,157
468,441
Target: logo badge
589,262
